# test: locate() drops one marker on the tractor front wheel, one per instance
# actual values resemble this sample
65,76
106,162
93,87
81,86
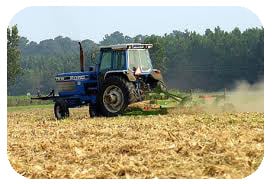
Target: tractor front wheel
61,110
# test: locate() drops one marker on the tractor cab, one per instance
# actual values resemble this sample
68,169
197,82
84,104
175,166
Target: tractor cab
131,61
130,67
126,57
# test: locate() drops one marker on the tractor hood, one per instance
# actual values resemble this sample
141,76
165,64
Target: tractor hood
74,76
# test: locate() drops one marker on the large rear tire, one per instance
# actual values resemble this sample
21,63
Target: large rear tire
61,110
114,96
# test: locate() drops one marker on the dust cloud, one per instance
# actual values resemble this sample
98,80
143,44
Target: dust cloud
246,97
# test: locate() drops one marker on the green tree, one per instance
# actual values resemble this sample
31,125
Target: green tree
13,54
189,60
115,38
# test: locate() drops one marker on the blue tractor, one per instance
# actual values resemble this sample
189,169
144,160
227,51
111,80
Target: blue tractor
123,76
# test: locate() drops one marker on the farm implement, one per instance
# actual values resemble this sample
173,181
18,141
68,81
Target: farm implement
165,100
123,76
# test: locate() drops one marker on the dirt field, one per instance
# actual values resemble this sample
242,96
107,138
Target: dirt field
181,144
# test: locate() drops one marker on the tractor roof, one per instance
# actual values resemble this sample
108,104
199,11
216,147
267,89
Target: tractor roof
128,46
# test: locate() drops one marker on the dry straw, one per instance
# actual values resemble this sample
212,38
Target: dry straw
176,145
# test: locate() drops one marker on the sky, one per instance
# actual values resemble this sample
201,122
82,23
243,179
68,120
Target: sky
79,23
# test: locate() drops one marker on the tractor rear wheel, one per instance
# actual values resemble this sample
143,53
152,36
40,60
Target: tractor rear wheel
114,96
61,110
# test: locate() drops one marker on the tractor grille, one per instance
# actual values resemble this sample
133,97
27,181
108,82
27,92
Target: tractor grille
66,86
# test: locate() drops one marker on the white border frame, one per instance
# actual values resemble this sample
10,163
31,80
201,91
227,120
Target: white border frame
261,8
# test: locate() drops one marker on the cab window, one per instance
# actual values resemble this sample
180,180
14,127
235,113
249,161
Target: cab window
119,60
106,61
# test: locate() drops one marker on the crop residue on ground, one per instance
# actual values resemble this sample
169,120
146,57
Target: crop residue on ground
200,145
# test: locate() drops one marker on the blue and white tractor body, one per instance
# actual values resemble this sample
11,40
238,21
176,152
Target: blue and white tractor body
123,75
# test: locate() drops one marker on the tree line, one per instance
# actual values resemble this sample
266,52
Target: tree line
210,61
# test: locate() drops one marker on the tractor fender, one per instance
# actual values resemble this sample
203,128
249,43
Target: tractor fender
129,75
156,74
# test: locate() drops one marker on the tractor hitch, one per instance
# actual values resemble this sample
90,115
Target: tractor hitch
50,96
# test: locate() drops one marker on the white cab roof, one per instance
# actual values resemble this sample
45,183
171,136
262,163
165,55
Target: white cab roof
128,46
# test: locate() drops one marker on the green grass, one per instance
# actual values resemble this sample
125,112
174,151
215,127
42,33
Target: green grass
14,101
28,107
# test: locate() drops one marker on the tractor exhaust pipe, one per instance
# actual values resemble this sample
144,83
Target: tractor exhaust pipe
81,58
